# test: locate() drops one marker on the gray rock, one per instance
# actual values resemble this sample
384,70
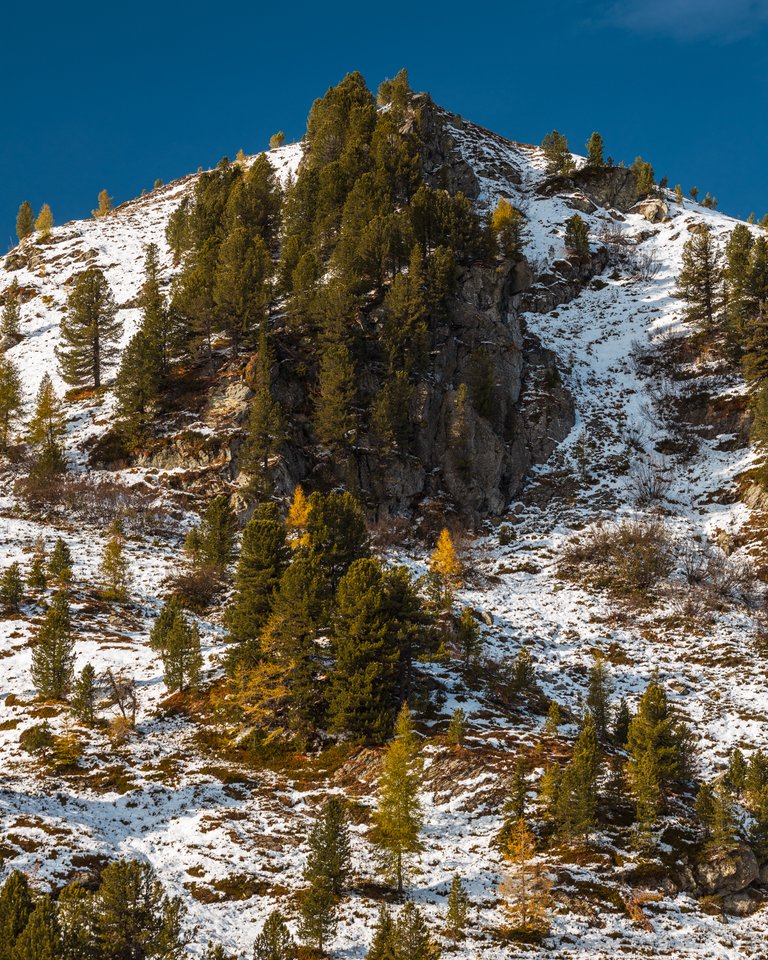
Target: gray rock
742,904
726,870
653,209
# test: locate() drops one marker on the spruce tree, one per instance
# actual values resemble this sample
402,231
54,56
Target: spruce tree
25,221
262,562
655,728
577,236
47,428
274,941
398,816
60,563
457,728
84,696
598,696
699,282
11,399
330,852
44,222
319,914
182,659
586,766
10,319
53,655
646,789
412,935
41,938
457,914
11,587
265,420
595,151
16,906
384,945
37,578
336,535
217,534
557,154
89,330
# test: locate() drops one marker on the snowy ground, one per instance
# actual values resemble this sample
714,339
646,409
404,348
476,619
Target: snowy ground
202,820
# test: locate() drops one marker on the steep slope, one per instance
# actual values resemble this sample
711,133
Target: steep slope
224,835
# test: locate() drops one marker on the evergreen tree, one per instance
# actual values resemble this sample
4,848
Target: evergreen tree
699,283
398,816
646,788
53,655
412,935
11,587
44,221
405,332
469,640
755,360
25,221
137,385
85,695
586,771
10,319
525,889
445,569
182,660
334,417
16,906
621,721
330,852
577,236
554,719
41,938
679,195
737,772
114,569
384,945
217,534
265,419
37,578
716,811
11,398
262,562
105,205
598,696
319,914
240,290
457,728
76,920
89,330
336,535
457,913
274,942
46,430
736,276
645,178
656,729
159,324
60,563
595,151
557,154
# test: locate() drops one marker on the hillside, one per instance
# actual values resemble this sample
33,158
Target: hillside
606,409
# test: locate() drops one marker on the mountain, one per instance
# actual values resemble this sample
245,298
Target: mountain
588,449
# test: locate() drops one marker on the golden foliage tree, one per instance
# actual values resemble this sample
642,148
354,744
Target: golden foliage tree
445,568
298,517
525,889
105,205
44,222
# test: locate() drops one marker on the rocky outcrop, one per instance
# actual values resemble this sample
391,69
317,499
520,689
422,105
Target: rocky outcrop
653,209
726,870
614,188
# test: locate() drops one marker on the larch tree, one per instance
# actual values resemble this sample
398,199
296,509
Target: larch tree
44,221
47,429
89,331
25,221
297,519
445,569
105,205
525,890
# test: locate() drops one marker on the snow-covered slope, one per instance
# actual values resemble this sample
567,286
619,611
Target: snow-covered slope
226,837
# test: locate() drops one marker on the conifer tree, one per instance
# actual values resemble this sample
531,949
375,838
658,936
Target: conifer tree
525,888
336,535
37,578
76,919
240,290
89,330
648,796
405,332
679,195
598,696
595,151
41,937
412,935
699,283
469,640
656,729
557,154
274,941
334,417
114,569
457,913
645,178
10,319
16,906
217,534
330,853
554,719
25,221
11,587
84,696
60,563
159,323
46,430
457,728
398,816
755,360
384,945
586,770
577,236
105,205
44,221
297,519
265,420
445,569
736,276
737,772
53,655
319,914
11,398
276,140
182,660
262,561
621,721
137,387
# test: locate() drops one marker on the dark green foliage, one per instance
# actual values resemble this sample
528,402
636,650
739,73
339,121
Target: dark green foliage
53,655
384,945
577,236
137,387
240,290
11,587
84,696
646,788
405,332
37,578
263,558
216,535
15,910
585,766
645,178
89,330
11,398
755,360
558,156
412,935
469,639
265,420
391,422
10,319
699,283
336,534
736,777
655,729
457,728
717,813
523,673
25,220
621,723
330,853
319,914
457,914
595,151
598,697
482,383
46,430
274,942
60,563
334,416
41,938
37,739
182,660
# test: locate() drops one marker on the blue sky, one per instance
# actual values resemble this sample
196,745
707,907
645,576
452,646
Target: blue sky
117,95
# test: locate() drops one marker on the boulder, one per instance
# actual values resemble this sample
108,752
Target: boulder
726,870
742,904
653,209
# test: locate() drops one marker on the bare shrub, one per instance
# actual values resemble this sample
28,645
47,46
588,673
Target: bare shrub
643,264
649,482
718,576
196,587
629,558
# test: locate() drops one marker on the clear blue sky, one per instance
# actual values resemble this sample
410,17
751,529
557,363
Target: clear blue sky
116,95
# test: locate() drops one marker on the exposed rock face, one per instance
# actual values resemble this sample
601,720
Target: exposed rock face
727,870
653,209
614,188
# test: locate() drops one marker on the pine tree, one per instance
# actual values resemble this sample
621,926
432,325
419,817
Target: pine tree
577,236
47,429
737,772
25,221
137,386
297,519
319,914
16,906
84,697
621,721
679,195
412,935
398,816
334,417
182,660
755,360
525,888
598,696
384,945
646,788
405,332
330,852
53,655
114,570
557,154
105,205
554,719
159,323
457,913
37,578
240,290
265,420
595,151
645,178
445,569
10,320
41,938
262,562
457,728
336,535
217,534
75,914
89,330
11,587
736,276
274,942
656,729
699,283
469,640
11,398
586,771
723,826
60,563
44,221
